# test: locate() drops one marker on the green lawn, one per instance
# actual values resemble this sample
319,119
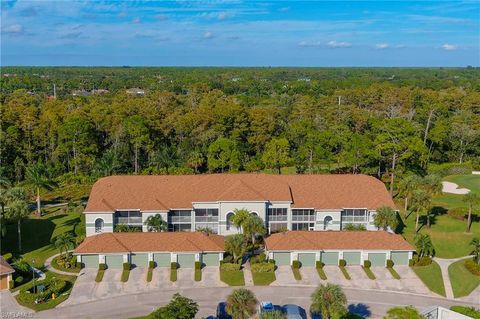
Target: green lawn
125,275
99,276
173,275
198,275
431,276
263,278
369,273
345,273
37,235
463,281
149,274
394,273
232,278
448,234
52,303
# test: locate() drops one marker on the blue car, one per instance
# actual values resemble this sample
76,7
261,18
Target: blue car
294,312
222,311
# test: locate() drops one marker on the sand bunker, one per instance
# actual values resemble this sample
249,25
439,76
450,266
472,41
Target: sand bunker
452,188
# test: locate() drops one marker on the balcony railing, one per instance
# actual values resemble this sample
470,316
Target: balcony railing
277,218
137,221
303,218
180,219
206,219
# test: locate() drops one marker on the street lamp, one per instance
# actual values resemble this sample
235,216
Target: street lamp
33,276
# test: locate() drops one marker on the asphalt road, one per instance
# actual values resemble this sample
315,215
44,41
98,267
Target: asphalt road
372,304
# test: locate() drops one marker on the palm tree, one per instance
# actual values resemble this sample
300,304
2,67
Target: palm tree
254,226
475,243
472,201
421,202
4,184
241,304
432,184
156,223
195,160
38,177
385,217
408,312
17,211
64,243
241,215
235,245
329,300
424,245
407,186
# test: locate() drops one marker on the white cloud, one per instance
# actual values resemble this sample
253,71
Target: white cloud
449,47
222,15
336,44
309,43
13,29
382,46
208,35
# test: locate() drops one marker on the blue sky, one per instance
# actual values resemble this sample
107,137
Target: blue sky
241,33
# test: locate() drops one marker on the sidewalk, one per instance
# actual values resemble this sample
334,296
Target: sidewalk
48,266
444,264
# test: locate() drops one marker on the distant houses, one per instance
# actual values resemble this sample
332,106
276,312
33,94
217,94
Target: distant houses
135,91
86,93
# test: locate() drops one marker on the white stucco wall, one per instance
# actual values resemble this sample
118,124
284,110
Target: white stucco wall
336,219
225,207
90,222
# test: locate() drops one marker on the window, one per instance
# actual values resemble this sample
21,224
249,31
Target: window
206,215
99,225
354,216
327,221
229,220
303,215
277,227
276,214
303,226
130,218
179,220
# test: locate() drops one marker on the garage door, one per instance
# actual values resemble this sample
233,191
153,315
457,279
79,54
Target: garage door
210,259
282,259
3,282
114,261
186,260
162,259
329,258
139,260
352,258
400,258
307,259
377,259
90,261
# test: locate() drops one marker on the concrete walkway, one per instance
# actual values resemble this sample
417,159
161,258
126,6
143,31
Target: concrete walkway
49,267
247,273
444,264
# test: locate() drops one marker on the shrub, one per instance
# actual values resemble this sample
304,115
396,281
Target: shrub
458,213
390,263
446,169
19,280
467,311
198,265
102,266
263,267
73,261
319,264
472,267
228,259
173,265
260,258
411,262
126,266
151,264
230,267
7,257
354,227
342,262
424,261
367,263
296,264
11,284
271,261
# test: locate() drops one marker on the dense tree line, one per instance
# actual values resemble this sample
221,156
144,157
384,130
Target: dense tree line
229,120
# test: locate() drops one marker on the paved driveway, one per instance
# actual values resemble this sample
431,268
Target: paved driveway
284,277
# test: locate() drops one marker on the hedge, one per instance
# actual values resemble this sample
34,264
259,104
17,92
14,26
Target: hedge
230,267
260,258
102,266
472,267
319,264
423,261
198,265
173,265
263,267
126,266
151,264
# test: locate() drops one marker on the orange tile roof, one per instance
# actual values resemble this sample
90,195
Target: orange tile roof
5,268
164,192
344,240
150,242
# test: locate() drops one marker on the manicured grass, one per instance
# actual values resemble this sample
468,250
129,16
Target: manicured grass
263,278
198,274
52,303
232,278
296,274
38,234
369,273
149,274
321,274
345,272
463,281
173,275
394,273
58,267
99,276
125,275
431,276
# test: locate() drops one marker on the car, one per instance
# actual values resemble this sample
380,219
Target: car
265,306
222,311
294,312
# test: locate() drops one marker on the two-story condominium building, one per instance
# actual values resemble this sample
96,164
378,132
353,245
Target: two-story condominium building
190,202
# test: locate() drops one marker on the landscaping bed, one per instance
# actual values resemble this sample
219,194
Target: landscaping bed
431,275
369,273
462,280
394,273
59,264
345,272
263,273
232,274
